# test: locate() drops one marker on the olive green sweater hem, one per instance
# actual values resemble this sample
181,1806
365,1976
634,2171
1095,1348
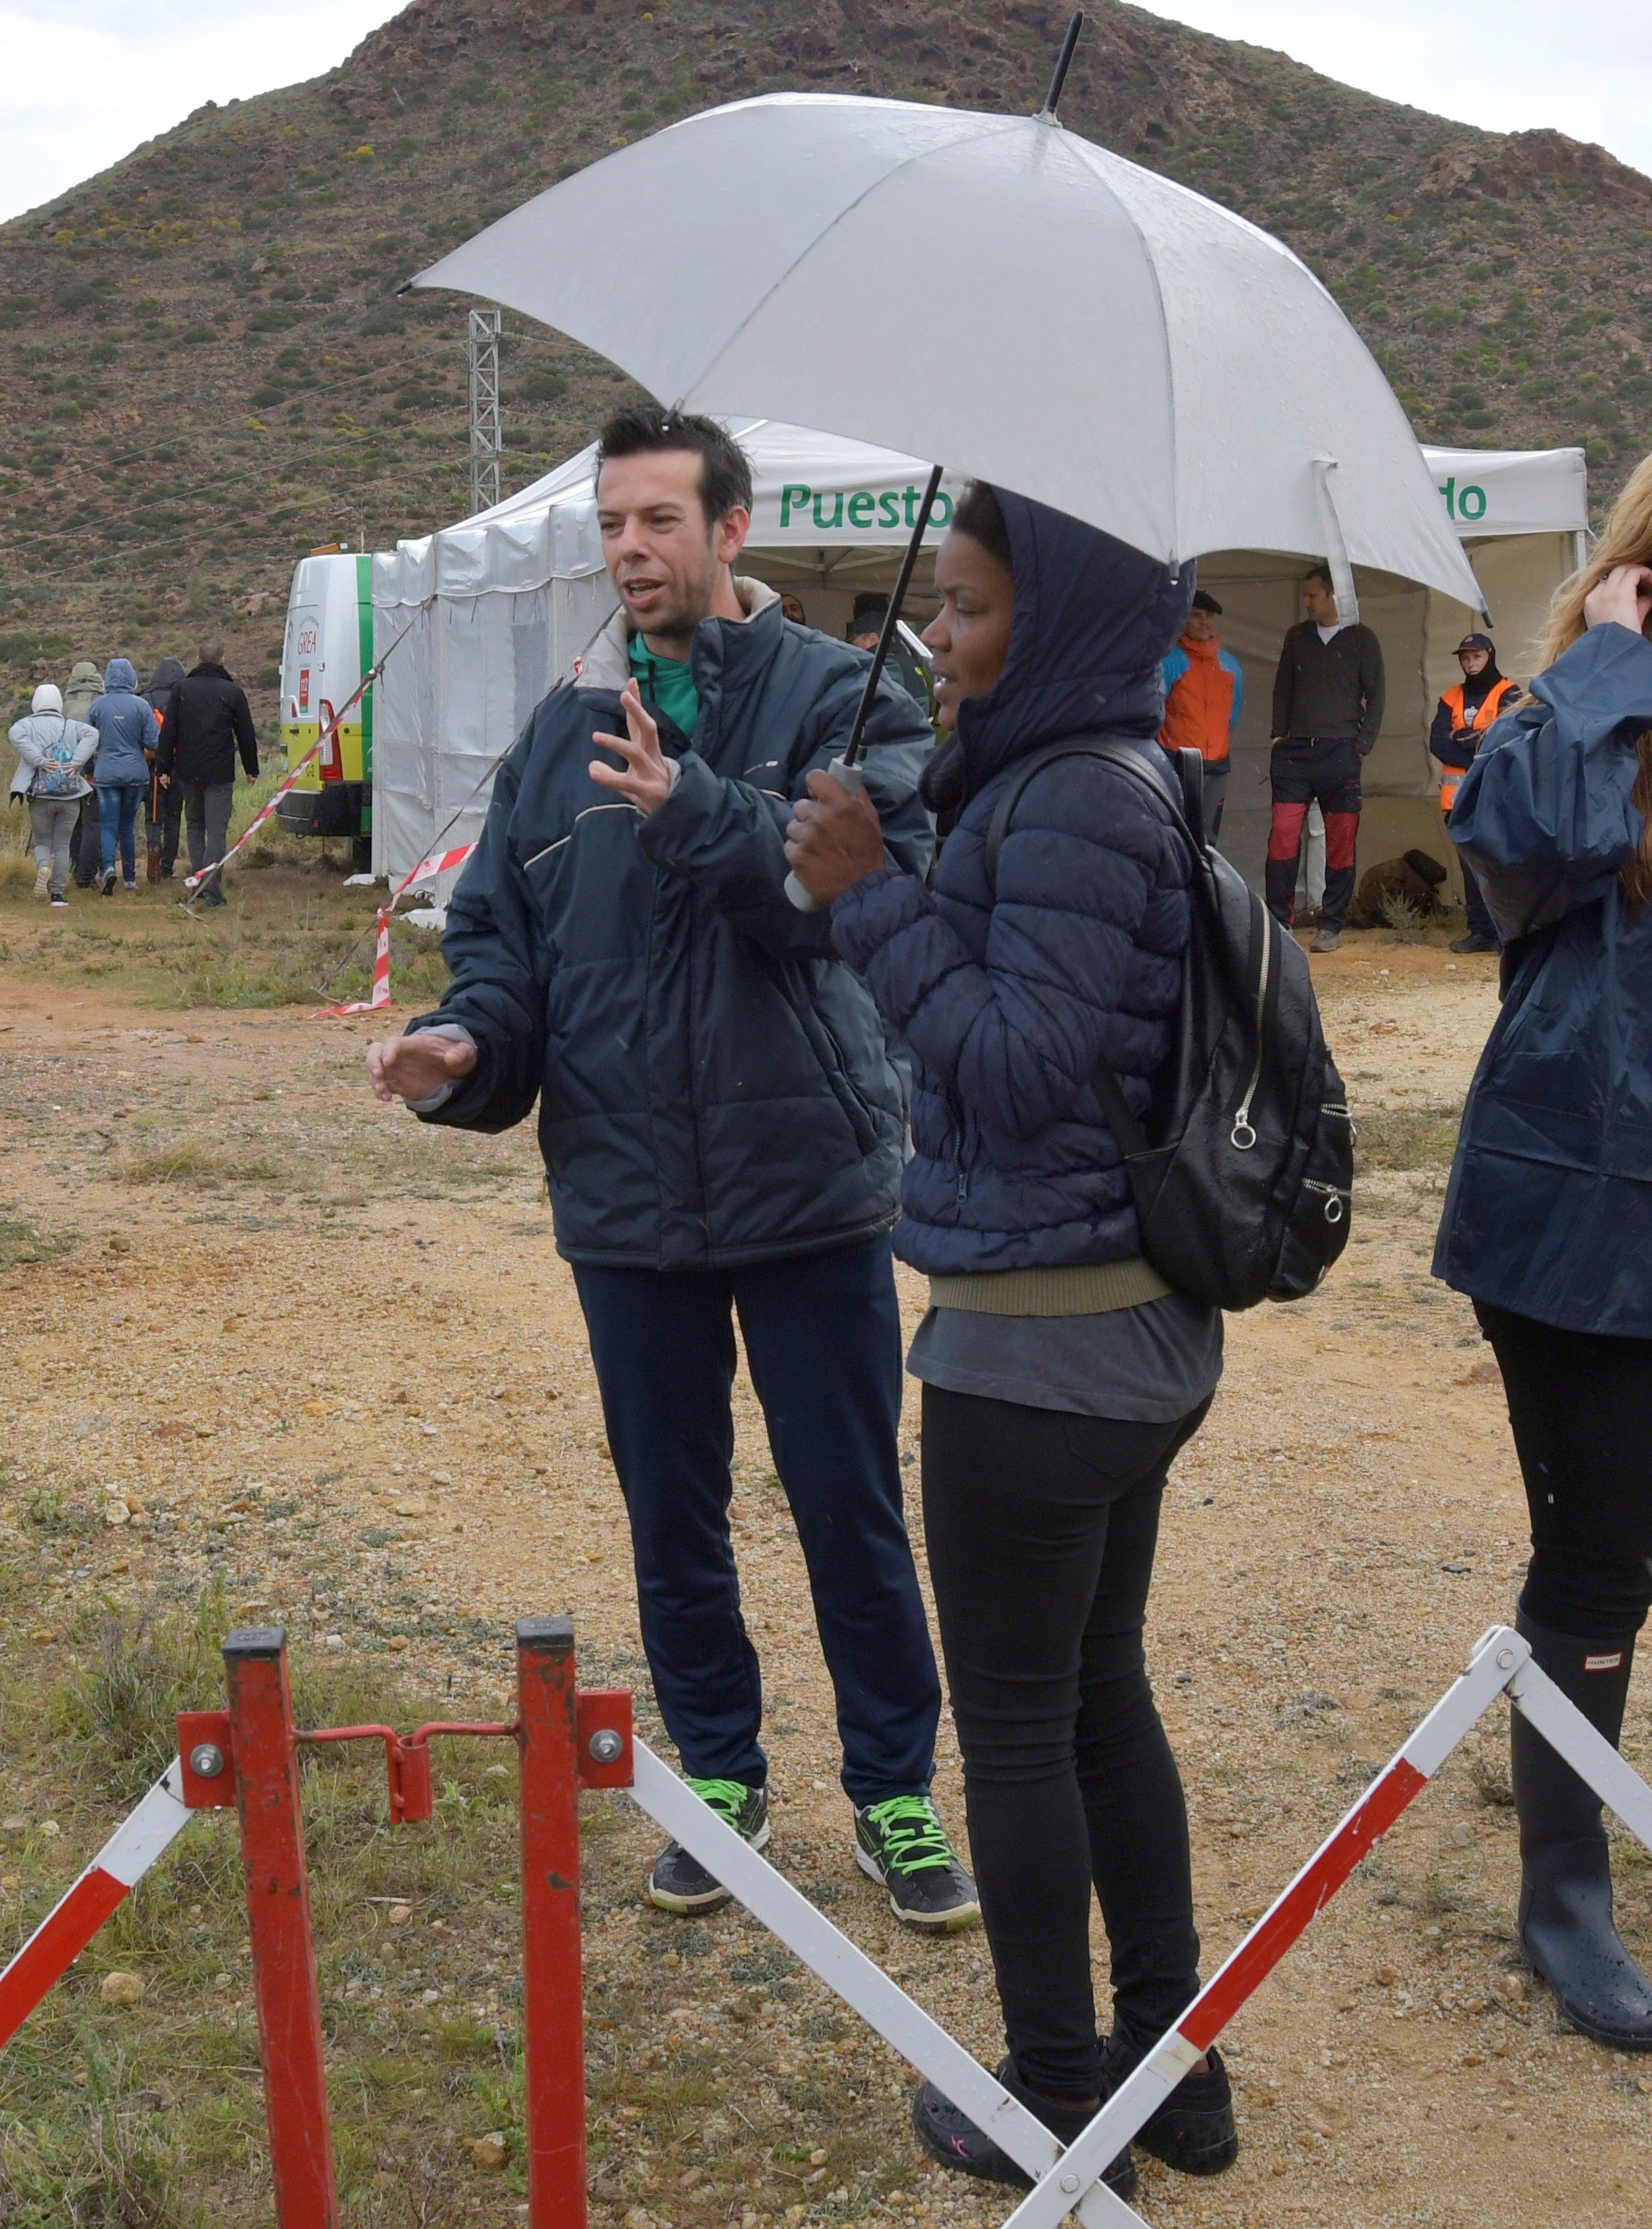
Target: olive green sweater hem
1090,1288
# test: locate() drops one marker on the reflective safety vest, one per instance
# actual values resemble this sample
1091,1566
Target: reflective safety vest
1478,721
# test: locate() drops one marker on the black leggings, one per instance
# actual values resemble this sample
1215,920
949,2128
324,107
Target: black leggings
1580,1409
1041,1528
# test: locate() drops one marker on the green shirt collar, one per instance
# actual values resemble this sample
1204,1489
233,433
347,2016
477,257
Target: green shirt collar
667,681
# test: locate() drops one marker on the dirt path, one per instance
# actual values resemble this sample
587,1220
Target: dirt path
336,1358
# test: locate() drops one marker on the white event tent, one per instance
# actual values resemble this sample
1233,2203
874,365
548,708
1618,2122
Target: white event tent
499,606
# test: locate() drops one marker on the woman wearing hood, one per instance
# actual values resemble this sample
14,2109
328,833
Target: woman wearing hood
1460,718
52,753
127,738
1061,1373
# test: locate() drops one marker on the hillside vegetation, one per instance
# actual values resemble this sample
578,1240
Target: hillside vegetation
206,371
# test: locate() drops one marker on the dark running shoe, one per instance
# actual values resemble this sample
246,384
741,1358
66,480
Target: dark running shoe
1192,2131
952,2137
679,1882
902,1843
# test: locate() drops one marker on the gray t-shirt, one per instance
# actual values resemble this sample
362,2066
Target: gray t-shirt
1143,1365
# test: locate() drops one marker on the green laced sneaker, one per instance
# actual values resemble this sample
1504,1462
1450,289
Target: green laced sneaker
679,1882
902,1843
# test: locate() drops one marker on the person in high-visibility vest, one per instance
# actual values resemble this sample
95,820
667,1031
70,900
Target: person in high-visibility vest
1462,718
1203,690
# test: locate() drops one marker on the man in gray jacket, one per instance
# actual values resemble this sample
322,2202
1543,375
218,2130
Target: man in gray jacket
722,1126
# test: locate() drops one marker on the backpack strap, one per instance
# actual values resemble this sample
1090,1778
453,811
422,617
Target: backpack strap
1189,780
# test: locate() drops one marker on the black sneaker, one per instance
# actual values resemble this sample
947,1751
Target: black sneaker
1192,2131
1475,943
679,1882
902,1843
107,882
952,2137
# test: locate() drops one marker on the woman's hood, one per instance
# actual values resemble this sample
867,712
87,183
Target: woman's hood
48,697
167,674
1093,618
120,674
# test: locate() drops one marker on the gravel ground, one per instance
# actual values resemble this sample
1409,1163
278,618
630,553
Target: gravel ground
295,1341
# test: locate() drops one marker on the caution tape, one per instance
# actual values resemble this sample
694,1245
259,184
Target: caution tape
102,1888
440,863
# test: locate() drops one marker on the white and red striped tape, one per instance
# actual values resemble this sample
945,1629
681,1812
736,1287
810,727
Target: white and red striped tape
440,863
102,1888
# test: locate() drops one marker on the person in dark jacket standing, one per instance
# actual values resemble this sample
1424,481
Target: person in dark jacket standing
211,720
1060,1372
162,808
1327,699
722,1125
1548,1219
1460,718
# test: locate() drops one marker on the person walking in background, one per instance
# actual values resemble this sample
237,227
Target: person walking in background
127,739
53,754
1548,1223
81,692
210,721
162,808
1328,697
1461,719
1061,1374
723,1126
1203,691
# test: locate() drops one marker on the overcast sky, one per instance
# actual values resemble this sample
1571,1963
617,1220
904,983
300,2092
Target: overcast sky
93,79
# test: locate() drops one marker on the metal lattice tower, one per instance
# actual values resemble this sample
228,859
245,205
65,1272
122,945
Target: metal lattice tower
482,367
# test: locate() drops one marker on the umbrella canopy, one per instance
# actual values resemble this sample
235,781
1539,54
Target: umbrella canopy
994,291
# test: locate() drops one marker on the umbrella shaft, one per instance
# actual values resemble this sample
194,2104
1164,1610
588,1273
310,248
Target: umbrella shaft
891,617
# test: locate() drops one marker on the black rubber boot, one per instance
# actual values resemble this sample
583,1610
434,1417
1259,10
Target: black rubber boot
1566,1929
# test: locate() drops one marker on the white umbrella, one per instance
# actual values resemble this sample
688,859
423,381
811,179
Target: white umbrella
995,292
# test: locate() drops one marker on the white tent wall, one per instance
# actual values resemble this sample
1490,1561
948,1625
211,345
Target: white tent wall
500,604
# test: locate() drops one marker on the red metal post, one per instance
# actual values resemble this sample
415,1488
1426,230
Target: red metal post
552,1967
277,1913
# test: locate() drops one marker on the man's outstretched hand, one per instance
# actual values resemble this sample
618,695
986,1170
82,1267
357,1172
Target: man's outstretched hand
413,1067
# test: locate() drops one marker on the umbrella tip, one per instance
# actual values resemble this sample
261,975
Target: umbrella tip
1063,62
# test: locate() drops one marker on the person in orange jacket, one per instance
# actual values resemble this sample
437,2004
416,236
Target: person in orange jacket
1461,719
1203,690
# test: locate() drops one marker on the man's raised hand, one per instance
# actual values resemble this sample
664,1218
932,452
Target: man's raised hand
413,1067
645,778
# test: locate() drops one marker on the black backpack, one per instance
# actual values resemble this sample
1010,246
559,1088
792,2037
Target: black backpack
1243,1179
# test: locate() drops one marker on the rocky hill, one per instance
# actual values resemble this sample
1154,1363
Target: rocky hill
205,369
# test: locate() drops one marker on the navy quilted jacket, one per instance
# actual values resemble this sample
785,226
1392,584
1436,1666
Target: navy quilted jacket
1007,1005
715,1086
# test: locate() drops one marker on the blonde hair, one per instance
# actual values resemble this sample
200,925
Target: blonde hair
1626,539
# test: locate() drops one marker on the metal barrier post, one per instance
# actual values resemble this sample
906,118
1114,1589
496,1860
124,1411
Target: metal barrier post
277,1917
552,1967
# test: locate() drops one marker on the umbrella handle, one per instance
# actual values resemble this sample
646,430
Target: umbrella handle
847,777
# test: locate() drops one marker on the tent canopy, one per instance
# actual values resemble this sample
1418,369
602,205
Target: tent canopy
500,604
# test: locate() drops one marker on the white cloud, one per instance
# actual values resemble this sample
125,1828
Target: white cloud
1585,69
91,80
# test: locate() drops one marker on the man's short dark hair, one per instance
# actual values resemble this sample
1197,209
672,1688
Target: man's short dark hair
646,427
1320,573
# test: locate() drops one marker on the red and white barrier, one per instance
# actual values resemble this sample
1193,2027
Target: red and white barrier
102,1888
440,863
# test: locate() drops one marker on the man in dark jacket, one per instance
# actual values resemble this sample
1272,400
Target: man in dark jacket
721,1122
1328,697
163,807
211,720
